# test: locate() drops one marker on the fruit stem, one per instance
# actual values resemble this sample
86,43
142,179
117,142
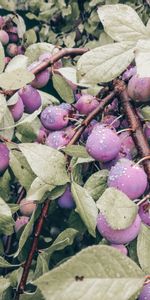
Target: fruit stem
124,130
137,133
142,159
144,199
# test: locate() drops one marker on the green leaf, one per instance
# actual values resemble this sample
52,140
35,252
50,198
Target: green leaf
7,122
35,50
105,63
32,296
96,184
5,264
2,56
3,106
38,189
48,99
5,186
21,169
143,246
21,27
98,272
15,80
85,206
4,284
63,240
47,163
63,88
41,267
29,37
25,234
17,62
142,58
122,23
57,192
6,220
76,151
119,210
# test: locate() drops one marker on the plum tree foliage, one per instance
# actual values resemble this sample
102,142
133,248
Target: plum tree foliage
74,84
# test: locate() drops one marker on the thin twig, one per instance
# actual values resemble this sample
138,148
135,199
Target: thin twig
137,131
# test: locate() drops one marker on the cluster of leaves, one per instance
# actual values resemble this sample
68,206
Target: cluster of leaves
98,270
68,22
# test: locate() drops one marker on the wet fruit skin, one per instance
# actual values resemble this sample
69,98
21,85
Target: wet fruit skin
31,99
66,200
27,207
86,103
139,89
60,138
4,158
100,141
145,293
117,236
17,109
128,178
54,118
41,79
4,38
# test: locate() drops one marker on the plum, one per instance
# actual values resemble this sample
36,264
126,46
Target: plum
31,98
17,109
4,37
144,213
54,117
4,158
66,200
21,49
86,103
59,138
145,293
100,141
42,135
127,145
118,236
13,34
12,50
7,59
112,107
27,207
41,79
129,73
121,248
128,177
20,222
139,89
89,129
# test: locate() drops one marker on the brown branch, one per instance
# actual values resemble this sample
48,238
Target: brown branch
104,102
28,262
62,53
137,131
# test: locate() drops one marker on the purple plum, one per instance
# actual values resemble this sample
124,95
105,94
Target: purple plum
128,177
86,103
118,236
17,109
121,248
31,99
4,158
100,141
12,50
66,200
144,213
20,222
139,89
41,79
4,37
145,293
54,117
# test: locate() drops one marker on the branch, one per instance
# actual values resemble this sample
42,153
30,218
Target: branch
28,262
62,53
104,102
137,131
